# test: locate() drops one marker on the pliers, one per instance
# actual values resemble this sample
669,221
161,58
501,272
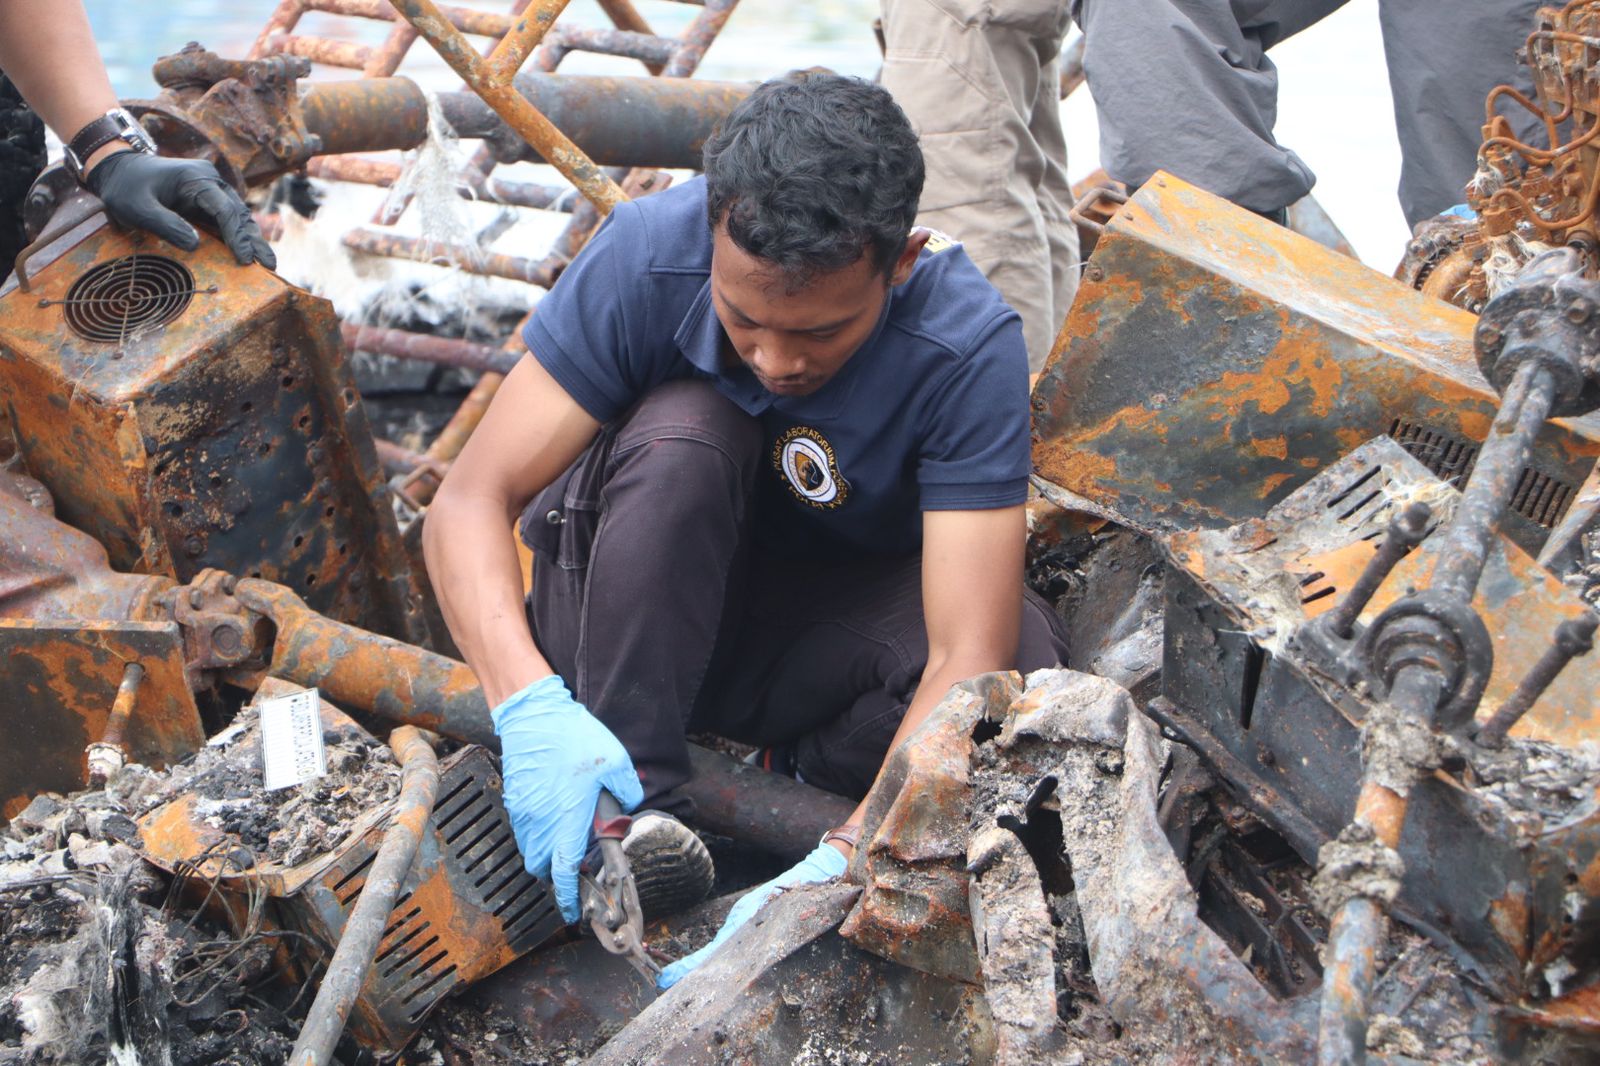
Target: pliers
609,898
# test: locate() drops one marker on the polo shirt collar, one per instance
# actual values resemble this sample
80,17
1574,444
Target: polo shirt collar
700,338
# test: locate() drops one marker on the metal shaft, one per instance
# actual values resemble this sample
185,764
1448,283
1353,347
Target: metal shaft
363,930
1359,924
1573,637
1406,530
1522,414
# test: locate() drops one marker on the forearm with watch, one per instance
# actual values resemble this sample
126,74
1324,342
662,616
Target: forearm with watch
48,50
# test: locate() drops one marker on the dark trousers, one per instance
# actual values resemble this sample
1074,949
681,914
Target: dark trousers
650,601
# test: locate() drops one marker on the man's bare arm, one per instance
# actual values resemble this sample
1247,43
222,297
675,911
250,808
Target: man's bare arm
48,50
972,564
531,433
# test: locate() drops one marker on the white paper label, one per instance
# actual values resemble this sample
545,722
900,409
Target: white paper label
291,739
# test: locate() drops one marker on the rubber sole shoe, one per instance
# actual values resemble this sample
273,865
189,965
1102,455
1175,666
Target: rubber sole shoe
671,867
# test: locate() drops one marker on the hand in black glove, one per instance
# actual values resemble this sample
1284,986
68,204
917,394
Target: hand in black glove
145,192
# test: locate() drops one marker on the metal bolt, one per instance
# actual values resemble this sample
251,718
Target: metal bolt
226,639
1489,334
1578,311
230,583
1094,273
192,546
197,599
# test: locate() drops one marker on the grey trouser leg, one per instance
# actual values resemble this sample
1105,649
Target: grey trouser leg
980,81
1186,86
1443,61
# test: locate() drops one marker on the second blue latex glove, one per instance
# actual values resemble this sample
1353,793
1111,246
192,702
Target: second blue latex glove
823,864
555,757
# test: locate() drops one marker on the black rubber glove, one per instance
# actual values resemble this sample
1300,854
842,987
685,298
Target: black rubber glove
148,191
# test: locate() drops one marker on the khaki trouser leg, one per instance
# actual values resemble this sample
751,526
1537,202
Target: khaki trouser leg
980,83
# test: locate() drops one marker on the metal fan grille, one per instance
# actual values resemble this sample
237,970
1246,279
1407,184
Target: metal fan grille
116,300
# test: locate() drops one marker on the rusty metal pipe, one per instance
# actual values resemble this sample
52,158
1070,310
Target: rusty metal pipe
111,752
369,672
1573,637
524,35
445,351
461,257
1405,532
501,95
358,944
645,122
1527,403
1359,924
365,114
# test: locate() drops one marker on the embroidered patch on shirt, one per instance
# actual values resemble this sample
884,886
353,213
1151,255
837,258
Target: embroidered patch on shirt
939,242
806,460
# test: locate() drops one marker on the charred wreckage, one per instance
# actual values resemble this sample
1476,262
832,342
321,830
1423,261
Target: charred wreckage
1322,783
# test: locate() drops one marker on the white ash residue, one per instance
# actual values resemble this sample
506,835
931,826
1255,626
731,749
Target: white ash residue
287,826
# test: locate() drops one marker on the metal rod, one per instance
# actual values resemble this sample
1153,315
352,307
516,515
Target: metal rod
397,459
1358,925
363,930
1405,532
458,256
1467,539
111,752
445,351
518,113
522,38
1573,637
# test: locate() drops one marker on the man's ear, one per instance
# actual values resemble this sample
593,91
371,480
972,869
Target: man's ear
908,256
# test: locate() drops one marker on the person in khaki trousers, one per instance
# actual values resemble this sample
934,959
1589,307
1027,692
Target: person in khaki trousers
980,82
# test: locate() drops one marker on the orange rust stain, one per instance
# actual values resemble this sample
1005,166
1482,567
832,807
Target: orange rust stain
1270,484
1271,447
1508,916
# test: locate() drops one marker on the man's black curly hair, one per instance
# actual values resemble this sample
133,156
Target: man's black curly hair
812,170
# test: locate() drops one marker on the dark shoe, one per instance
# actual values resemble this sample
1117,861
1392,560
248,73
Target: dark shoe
671,866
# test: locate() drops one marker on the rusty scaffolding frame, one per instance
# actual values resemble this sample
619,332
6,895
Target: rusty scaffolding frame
528,28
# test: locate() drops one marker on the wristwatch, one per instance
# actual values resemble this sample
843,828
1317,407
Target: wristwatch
114,125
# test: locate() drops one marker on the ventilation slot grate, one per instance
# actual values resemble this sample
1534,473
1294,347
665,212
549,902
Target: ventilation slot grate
116,300
1538,497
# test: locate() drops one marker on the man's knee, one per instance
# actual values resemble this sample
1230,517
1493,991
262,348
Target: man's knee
694,421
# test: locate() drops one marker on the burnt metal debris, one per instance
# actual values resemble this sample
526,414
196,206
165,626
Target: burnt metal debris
1321,783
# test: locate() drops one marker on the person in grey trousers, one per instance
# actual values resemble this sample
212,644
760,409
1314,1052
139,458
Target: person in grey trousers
1186,86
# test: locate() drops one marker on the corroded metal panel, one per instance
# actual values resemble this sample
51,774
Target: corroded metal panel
200,414
1213,362
60,680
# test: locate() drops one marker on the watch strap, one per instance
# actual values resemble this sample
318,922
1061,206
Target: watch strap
115,125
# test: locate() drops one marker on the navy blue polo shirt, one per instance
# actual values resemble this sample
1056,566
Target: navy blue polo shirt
930,413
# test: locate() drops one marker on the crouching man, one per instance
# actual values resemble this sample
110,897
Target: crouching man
776,447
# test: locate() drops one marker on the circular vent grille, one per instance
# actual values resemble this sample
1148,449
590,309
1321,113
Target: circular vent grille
115,300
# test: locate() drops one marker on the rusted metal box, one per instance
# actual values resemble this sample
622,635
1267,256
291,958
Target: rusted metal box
466,909
1214,361
1511,887
187,412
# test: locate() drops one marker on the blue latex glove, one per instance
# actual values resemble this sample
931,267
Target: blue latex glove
825,863
555,757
